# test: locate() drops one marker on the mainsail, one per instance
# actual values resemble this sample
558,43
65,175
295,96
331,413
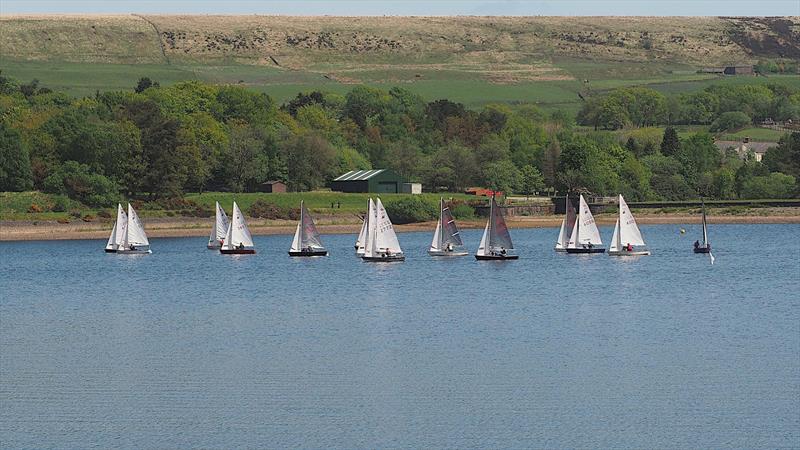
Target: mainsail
238,234
567,224
306,235
117,238
370,222
495,235
585,230
135,234
220,227
362,235
705,227
447,232
381,238
626,231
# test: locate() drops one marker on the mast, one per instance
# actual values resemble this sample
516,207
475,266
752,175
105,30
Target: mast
705,227
491,221
441,222
302,225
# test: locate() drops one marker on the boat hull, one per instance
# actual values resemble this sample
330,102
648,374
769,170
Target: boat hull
585,250
496,257
446,253
238,251
110,250
393,258
627,253
311,253
561,250
702,250
133,252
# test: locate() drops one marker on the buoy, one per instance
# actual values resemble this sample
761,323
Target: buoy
683,231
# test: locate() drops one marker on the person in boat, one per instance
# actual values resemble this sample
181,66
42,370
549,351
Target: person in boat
240,246
449,247
696,244
132,247
629,247
503,251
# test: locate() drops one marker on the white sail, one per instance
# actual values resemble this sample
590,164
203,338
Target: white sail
117,238
296,240
436,243
566,225
220,227
705,227
385,237
362,235
482,246
135,234
369,238
629,232
585,231
615,243
238,234
562,236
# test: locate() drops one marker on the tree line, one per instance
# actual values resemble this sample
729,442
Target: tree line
723,107
157,141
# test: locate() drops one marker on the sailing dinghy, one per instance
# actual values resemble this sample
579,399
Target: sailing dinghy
306,240
237,240
117,238
627,239
446,238
705,247
362,235
128,236
381,243
585,237
219,230
496,241
567,223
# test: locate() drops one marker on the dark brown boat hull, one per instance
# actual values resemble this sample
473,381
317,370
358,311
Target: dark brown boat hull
495,257
702,250
238,251
585,250
313,253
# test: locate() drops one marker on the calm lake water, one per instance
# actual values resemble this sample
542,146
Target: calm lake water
189,348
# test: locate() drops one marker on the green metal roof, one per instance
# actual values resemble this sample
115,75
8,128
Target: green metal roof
359,175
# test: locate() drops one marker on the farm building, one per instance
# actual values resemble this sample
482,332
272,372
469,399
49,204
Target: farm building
382,181
273,186
746,147
739,70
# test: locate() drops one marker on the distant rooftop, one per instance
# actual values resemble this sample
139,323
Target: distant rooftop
359,175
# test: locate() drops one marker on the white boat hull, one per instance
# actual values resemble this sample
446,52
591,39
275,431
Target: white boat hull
561,249
133,252
446,253
627,253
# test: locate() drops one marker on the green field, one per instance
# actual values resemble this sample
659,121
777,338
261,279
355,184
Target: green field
755,134
16,205
82,79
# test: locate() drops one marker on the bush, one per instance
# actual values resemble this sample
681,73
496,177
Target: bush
411,209
462,210
267,210
34,208
61,203
76,213
775,185
104,213
730,120
77,182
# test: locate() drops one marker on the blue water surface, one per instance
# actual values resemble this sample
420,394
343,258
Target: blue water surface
187,348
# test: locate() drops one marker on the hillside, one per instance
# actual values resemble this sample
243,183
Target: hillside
434,53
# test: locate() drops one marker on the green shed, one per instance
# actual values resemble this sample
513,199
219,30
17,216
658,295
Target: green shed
380,181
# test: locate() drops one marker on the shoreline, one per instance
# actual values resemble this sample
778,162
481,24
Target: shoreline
194,227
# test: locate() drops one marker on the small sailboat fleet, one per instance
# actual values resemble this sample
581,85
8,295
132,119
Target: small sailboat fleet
627,239
219,230
377,240
446,238
128,236
496,241
306,240
585,237
380,243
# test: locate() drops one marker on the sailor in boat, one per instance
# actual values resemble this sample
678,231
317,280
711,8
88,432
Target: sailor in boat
132,247
241,246
629,247
696,244
449,247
